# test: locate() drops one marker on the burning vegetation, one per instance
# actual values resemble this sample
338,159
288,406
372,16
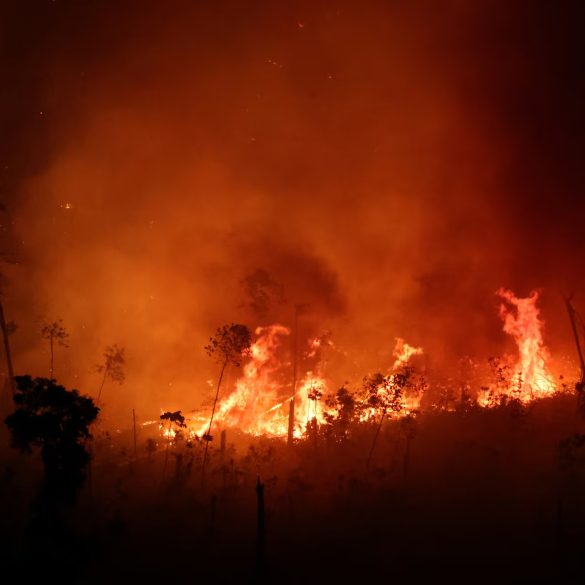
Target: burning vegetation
265,308
271,398
277,413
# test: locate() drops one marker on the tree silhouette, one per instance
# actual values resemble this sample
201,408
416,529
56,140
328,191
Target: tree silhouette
57,421
384,393
113,367
178,420
228,346
342,410
56,333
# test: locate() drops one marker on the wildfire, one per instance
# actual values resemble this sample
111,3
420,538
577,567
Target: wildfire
530,378
255,405
307,402
403,352
391,395
259,401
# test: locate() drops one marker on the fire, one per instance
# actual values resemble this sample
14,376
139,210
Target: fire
530,378
259,401
308,404
403,352
256,406
391,397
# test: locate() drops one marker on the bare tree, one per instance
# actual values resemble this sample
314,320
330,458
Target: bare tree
385,394
112,367
228,346
56,333
177,419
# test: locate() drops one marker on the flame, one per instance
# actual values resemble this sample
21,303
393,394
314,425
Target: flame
259,401
259,404
530,378
409,401
255,406
403,352
308,404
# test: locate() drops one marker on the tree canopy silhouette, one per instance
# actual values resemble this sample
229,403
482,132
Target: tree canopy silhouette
57,421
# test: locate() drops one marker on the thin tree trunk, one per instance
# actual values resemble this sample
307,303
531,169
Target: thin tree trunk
208,438
167,451
51,344
291,420
134,428
101,386
375,440
291,411
580,386
7,349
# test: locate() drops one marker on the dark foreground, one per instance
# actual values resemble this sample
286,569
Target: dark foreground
473,497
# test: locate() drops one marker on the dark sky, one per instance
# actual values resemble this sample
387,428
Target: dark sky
393,163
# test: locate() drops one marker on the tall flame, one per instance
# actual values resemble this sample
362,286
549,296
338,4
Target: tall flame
525,326
531,378
254,405
403,352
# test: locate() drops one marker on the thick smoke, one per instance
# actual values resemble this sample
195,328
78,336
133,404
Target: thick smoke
390,164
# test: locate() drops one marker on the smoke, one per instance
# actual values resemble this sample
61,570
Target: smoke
391,165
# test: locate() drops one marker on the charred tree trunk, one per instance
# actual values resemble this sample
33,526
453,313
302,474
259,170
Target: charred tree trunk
291,408
51,347
291,421
167,452
580,385
208,437
375,441
9,367
101,387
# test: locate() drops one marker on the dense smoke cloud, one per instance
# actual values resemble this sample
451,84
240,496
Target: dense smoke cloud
391,164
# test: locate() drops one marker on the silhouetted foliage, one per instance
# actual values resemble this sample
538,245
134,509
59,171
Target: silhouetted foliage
112,367
177,419
55,333
57,421
230,344
343,404
174,417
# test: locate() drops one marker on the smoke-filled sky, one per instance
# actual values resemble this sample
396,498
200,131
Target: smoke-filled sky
392,164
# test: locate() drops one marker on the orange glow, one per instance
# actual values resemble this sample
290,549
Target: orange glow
530,378
394,399
259,405
403,352
254,405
